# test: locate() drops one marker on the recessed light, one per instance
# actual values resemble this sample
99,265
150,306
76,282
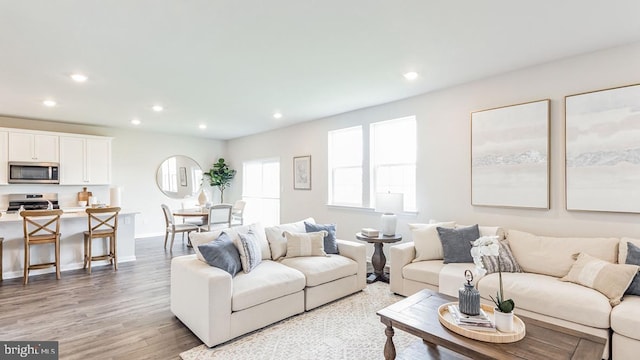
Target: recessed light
202,126
79,77
157,108
49,103
136,122
277,115
411,75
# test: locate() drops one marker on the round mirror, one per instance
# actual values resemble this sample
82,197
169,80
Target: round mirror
179,177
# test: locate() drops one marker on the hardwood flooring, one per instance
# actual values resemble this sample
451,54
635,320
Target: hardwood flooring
109,314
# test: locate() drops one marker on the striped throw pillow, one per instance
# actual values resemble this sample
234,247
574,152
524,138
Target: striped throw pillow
305,244
250,252
507,262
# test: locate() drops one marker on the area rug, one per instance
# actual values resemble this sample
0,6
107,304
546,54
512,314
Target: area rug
347,329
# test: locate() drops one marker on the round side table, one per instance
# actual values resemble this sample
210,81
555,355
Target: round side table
378,260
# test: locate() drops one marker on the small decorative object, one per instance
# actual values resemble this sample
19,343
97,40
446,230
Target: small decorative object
488,245
220,175
302,172
370,232
389,204
504,321
202,198
469,297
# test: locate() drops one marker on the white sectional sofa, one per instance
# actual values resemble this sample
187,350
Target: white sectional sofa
218,307
538,291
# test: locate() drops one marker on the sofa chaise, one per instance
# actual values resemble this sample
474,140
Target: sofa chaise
218,307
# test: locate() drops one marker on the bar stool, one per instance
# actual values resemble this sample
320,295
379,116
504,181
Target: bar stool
41,227
103,223
1,240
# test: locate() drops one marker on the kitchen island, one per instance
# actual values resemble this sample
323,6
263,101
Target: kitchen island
73,223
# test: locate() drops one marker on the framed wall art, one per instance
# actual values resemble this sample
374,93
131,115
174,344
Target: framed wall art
510,156
602,150
302,172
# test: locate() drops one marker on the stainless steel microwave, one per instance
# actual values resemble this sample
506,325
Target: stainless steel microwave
34,173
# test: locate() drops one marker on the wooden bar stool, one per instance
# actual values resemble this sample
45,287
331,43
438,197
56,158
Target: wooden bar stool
41,227
103,223
1,240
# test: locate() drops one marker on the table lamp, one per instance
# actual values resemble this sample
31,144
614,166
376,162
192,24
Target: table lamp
389,204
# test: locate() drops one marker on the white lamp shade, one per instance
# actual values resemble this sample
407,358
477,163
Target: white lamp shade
389,203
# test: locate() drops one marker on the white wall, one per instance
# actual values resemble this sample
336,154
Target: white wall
443,176
136,156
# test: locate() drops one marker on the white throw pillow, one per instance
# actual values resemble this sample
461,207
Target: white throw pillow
277,241
427,241
259,232
305,244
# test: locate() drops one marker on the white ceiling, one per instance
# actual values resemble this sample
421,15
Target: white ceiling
232,64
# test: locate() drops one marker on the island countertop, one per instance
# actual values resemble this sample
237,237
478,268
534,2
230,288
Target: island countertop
73,222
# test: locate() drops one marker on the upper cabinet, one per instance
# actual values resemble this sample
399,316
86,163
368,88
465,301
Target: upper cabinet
26,146
4,156
85,160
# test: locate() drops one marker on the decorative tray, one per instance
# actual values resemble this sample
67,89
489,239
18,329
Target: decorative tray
493,337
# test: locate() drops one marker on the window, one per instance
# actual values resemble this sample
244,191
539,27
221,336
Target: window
261,191
393,159
345,166
390,158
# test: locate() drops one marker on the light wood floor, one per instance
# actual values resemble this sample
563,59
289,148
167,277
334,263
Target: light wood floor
109,314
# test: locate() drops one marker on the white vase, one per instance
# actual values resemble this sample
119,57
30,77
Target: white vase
504,321
202,198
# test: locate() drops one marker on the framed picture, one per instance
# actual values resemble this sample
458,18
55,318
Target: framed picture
302,172
183,176
602,150
510,156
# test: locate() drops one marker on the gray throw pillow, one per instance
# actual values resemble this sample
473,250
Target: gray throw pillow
330,243
508,263
222,253
456,243
633,258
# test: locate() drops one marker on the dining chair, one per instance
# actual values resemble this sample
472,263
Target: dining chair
219,217
237,213
102,224
174,228
41,227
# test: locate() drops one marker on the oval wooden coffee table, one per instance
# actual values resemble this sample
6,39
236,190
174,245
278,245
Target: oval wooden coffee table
418,315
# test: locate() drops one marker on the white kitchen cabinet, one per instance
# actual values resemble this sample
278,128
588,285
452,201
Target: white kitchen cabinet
4,156
27,146
85,160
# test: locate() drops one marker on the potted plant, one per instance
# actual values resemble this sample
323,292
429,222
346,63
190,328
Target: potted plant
490,246
220,175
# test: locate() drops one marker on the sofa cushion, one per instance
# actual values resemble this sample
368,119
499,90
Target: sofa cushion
322,269
456,243
507,262
610,279
423,271
305,244
249,249
548,295
269,280
223,254
633,258
427,241
330,241
625,318
277,241
554,255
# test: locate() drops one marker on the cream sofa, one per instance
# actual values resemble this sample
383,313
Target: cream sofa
537,291
218,307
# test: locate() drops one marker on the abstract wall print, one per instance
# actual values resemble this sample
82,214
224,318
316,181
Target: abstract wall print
510,156
302,172
603,150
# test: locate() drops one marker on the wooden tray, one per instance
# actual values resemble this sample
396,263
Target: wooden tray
493,337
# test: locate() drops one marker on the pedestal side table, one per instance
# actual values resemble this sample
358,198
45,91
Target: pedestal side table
378,260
